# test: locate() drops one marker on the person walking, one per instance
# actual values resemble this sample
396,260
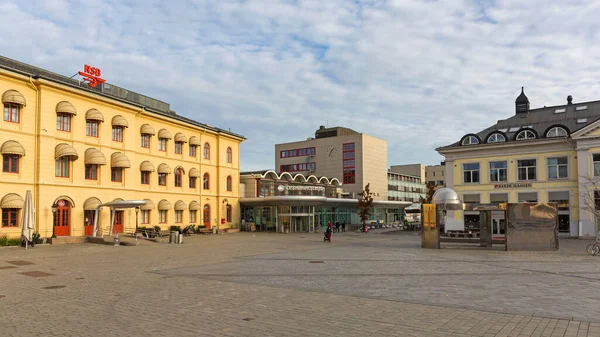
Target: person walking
343,226
337,226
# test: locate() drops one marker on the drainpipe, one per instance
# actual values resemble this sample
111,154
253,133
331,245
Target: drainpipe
36,157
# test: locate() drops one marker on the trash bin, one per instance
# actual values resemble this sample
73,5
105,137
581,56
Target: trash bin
173,237
180,239
117,242
214,230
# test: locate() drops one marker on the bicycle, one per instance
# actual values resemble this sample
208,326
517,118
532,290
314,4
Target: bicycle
593,248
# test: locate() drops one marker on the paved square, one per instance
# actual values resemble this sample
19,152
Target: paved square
295,285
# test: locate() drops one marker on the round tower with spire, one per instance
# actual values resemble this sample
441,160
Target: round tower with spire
522,102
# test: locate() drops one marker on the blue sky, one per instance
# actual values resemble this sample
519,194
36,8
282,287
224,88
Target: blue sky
419,74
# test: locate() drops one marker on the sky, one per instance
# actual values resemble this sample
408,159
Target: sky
417,73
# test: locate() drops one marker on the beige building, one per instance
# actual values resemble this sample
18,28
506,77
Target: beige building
415,170
354,158
76,146
435,174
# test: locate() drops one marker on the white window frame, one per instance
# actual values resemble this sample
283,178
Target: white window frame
557,168
498,169
527,167
557,130
594,172
495,138
470,140
525,132
471,174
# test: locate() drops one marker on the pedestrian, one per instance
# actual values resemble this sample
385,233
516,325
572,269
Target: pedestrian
337,226
343,226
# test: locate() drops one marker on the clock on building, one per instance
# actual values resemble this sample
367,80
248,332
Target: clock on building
332,151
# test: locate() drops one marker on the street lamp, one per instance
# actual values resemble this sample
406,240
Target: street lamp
226,202
54,207
137,210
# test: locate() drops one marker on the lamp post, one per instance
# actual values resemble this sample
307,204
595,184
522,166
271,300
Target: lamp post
137,210
54,207
226,203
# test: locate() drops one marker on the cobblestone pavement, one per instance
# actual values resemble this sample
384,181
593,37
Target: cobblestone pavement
294,285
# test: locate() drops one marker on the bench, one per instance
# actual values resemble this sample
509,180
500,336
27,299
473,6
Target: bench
205,230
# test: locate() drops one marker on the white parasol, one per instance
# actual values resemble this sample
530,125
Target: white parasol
27,225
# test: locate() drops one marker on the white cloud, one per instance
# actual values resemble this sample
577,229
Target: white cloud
417,73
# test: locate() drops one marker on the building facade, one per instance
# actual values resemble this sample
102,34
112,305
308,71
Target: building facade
298,203
549,154
76,147
355,159
435,175
404,187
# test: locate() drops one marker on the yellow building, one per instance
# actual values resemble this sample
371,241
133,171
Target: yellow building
76,146
550,154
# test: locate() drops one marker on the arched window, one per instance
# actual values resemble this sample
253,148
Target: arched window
229,155
206,151
206,215
525,134
496,138
178,177
206,184
556,131
229,184
470,140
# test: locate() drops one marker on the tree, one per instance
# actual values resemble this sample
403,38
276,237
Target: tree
589,191
429,195
365,205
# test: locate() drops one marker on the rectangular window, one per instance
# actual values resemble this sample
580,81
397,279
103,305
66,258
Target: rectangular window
498,198
10,217
193,150
116,174
62,167
527,197
498,171
561,198
558,168
193,215
193,182
471,198
348,163
162,216
162,179
178,216
298,167
471,173
145,216
178,147
91,172
162,144
10,163
91,128
117,134
12,112
526,169
309,151
63,122
145,141
145,178
596,159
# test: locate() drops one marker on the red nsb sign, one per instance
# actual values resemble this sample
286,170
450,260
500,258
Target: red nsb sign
91,75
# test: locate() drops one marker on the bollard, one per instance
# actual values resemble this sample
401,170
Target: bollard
116,242
180,239
214,230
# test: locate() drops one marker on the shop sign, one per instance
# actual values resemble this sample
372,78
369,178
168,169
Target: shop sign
282,188
92,75
513,185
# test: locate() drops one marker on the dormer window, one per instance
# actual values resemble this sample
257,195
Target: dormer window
470,140
525,134
496,138
556,131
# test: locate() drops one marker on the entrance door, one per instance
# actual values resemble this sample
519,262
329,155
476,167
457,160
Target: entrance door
88,222
118,224
498,226
62,218
206,215
563,223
